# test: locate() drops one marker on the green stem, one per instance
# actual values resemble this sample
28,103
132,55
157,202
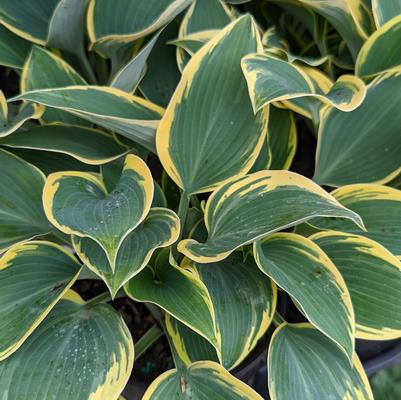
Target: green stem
147,340
195,202
278,319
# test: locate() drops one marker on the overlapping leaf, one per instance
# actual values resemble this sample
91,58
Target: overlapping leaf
33,277
108,107
80,351
364,145
384,10
159,229
123,22
44,70
304,271
381,52
250,207
88,145
373,277
180,293
300,349
271,79
244,301
77,203
379,207
192,129
21,210
204,380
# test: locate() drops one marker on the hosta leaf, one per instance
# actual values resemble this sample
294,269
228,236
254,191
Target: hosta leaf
203,380
250,207
350,18
123,22
180,293
113,109
80,351
384,10
305,364
271,79
44,70
192,42
33,277
193,132
129,76
380,209
21,210
188,345
88,145
11,120
381,51
77,203
67,33
202,15
159,229
28,20
304,271
363,145
282,137
373,277
13,49
244,301
162,74
49,162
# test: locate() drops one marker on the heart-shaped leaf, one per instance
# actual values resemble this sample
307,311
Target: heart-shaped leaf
159,229
305,364
203,380
80,351
33,277
77,203
304,271
91,146
193,134
373,277
250,207
21,210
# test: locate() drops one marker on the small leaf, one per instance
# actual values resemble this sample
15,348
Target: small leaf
305,364
304,271
373,277
250,207
204,380
33,277
80,351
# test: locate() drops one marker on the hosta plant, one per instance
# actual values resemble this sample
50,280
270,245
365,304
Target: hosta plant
149,145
